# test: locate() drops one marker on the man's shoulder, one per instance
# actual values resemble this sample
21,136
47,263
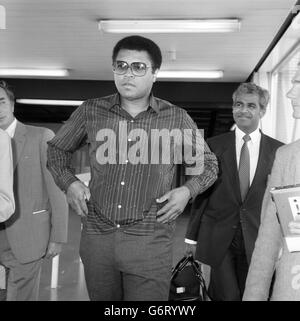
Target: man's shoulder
272,141
221,138
108,101
166,105
289,149
38,132
37,129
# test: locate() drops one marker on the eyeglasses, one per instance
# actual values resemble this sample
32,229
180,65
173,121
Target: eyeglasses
138,69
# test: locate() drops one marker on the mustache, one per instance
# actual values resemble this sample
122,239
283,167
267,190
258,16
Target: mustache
240,114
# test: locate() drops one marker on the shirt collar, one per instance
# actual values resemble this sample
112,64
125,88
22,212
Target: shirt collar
153,103
12,128
255,135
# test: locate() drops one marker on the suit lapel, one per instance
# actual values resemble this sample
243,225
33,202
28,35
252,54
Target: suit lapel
229,158
262,163
18,143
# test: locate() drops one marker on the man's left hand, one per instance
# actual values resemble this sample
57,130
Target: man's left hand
177,199
53,249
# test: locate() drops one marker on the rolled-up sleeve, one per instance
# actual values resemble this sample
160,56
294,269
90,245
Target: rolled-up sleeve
68,139
200,163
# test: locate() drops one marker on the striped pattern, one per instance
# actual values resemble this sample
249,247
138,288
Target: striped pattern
123,194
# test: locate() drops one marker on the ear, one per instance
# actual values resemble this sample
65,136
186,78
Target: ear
155,75
262,112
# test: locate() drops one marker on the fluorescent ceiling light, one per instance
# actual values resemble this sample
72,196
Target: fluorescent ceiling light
33,72
192,74
169,26
2,18
49,102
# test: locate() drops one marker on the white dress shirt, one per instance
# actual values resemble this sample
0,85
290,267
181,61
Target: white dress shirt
11,128
253,146
7,203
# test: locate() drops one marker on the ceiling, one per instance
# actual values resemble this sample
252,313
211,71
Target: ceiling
64,34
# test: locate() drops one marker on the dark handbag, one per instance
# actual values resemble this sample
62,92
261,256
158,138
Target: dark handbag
187,282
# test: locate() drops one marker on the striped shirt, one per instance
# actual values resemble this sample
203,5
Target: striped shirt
124,184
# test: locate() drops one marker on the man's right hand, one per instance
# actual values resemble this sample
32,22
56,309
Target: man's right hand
190,249
77,195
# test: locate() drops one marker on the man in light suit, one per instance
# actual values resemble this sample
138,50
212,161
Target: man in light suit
225,221
39,226
271,251
7,202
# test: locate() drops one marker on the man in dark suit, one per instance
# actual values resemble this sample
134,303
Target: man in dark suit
226,218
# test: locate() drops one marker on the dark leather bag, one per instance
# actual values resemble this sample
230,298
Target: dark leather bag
187,282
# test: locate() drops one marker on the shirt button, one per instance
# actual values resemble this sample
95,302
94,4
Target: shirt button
118,225
132,121
122,183
119,206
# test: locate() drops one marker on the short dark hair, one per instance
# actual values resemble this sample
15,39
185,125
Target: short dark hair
251,88
140,44
8,91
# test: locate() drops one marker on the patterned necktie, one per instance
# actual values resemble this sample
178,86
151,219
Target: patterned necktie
244,168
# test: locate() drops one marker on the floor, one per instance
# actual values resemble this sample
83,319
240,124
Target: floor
71,282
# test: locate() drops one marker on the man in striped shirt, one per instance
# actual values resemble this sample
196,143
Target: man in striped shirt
129,208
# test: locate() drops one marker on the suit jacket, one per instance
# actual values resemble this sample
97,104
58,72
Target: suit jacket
270,248
41,213
7,203
220,209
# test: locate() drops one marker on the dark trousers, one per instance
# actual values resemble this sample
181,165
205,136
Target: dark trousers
120,266
227,281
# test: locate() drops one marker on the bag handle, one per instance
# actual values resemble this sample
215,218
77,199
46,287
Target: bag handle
181,264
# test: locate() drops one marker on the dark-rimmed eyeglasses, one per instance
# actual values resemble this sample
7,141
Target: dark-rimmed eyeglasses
138,69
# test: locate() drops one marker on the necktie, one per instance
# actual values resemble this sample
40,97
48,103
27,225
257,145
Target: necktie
244,168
